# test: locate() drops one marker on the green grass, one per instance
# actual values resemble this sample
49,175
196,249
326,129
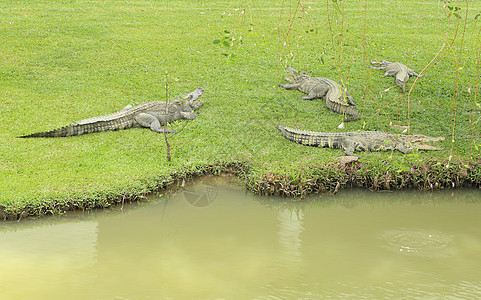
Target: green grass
62,61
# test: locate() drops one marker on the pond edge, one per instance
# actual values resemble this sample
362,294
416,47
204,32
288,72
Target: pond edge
322,178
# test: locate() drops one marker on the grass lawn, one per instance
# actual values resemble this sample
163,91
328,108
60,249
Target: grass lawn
63,61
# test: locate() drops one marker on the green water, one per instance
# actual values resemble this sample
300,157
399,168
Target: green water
214,241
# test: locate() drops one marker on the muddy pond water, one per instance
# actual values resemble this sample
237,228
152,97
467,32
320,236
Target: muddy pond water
217,241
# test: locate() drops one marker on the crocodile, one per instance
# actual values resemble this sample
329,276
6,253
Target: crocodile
154,115
360,141
337,99
400,72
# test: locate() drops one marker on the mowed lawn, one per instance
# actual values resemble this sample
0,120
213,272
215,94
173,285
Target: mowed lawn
63,61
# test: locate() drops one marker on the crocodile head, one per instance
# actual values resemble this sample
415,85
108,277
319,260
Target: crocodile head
291,71
191,103
381,63
418,141
297,76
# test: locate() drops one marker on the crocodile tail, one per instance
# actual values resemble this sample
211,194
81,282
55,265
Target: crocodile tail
304,137
289,133
85,128
351,111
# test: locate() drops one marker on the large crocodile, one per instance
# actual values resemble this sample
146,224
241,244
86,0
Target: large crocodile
397,70
154,115
337,99
360,141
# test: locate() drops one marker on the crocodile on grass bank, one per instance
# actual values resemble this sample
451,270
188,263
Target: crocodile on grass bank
400,72
337,99
360,141
154,115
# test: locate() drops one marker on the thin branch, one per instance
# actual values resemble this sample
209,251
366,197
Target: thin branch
165,125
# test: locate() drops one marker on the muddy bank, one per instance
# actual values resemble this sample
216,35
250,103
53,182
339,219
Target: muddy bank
104,199
428,175
327,177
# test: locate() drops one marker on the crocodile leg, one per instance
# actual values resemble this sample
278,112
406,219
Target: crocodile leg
389,73
149,121
402,148
350,100
189,116
412,73
290,86
319,91
348,147
311,96
197,105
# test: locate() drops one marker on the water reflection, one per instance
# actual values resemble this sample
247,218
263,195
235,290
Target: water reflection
42,258
217,241
201,194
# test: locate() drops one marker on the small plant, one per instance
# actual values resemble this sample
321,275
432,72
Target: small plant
231,43
453,9
226,42
337,5
168,80
477,147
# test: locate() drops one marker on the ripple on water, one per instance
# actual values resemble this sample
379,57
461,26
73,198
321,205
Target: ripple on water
419,242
